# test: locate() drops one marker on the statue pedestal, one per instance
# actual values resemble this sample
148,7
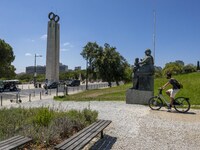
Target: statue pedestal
137,96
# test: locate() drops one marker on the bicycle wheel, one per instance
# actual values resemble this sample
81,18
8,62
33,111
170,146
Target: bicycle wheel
182,104
155,103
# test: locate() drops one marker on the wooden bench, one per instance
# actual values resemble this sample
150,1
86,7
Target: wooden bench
83,137
14,142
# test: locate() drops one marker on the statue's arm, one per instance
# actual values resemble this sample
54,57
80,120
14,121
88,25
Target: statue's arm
144,61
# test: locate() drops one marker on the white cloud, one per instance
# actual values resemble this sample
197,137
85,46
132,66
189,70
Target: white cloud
29,40
28,54
66,44
64,49
43,37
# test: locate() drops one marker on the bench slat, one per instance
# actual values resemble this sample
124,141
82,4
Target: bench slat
76,141
85,137
78,134
91,136
9,140
14,142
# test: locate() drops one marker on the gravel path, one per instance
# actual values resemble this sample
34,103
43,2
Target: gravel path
136,127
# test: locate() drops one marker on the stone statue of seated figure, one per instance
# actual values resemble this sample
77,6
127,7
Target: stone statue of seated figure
143,68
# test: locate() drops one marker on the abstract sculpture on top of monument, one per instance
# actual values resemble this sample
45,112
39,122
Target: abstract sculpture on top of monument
53,17
143,72
53,48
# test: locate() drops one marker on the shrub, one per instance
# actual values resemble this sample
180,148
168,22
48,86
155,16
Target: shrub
189,68
173,67
90,116
43,117
45,126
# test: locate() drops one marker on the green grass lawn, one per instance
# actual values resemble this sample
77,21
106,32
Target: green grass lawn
191,89
105,94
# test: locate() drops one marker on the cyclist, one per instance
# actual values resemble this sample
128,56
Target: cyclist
171,92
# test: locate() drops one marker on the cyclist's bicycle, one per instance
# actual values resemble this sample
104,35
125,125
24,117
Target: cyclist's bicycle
181,104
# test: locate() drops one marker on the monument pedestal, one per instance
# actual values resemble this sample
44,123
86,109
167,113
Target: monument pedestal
137,96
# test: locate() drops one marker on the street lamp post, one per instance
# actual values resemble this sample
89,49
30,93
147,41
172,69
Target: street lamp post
35,70
87,73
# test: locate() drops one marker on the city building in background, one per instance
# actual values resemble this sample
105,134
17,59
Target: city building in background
42,69
39,69
63,68
77,68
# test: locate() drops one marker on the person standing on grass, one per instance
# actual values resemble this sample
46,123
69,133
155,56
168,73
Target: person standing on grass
171,92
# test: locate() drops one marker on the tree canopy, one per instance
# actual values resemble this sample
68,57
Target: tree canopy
178,67
7,70
105,62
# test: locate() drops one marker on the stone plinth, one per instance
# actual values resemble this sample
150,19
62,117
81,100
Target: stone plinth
137,96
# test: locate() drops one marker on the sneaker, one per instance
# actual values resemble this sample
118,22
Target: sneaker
169,108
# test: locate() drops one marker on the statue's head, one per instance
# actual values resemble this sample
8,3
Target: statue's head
136,60
148,52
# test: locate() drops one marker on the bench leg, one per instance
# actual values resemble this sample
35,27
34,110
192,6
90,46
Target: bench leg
102,134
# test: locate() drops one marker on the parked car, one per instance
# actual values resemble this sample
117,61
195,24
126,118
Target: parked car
51,85
74,83
68,82
9,85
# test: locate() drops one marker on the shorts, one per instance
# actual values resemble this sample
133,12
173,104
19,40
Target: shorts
173,92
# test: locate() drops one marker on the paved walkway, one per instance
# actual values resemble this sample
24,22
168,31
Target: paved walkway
136,127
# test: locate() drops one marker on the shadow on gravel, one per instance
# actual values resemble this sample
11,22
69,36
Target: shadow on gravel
187,113
174,111
104,144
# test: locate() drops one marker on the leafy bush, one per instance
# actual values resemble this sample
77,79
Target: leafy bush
90,116
43,117
173,67
45,126
189,68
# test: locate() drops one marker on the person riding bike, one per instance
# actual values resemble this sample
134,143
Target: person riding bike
172,92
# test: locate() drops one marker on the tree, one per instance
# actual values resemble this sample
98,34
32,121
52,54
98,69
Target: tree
198,67
73,75
128,74
24,77
189,68
6,58
89,54
105,63
173,67
180,62
113,67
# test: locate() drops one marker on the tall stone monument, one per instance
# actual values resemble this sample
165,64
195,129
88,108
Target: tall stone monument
143,80
53,48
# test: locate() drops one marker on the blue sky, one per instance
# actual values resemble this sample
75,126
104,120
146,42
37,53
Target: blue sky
127,25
